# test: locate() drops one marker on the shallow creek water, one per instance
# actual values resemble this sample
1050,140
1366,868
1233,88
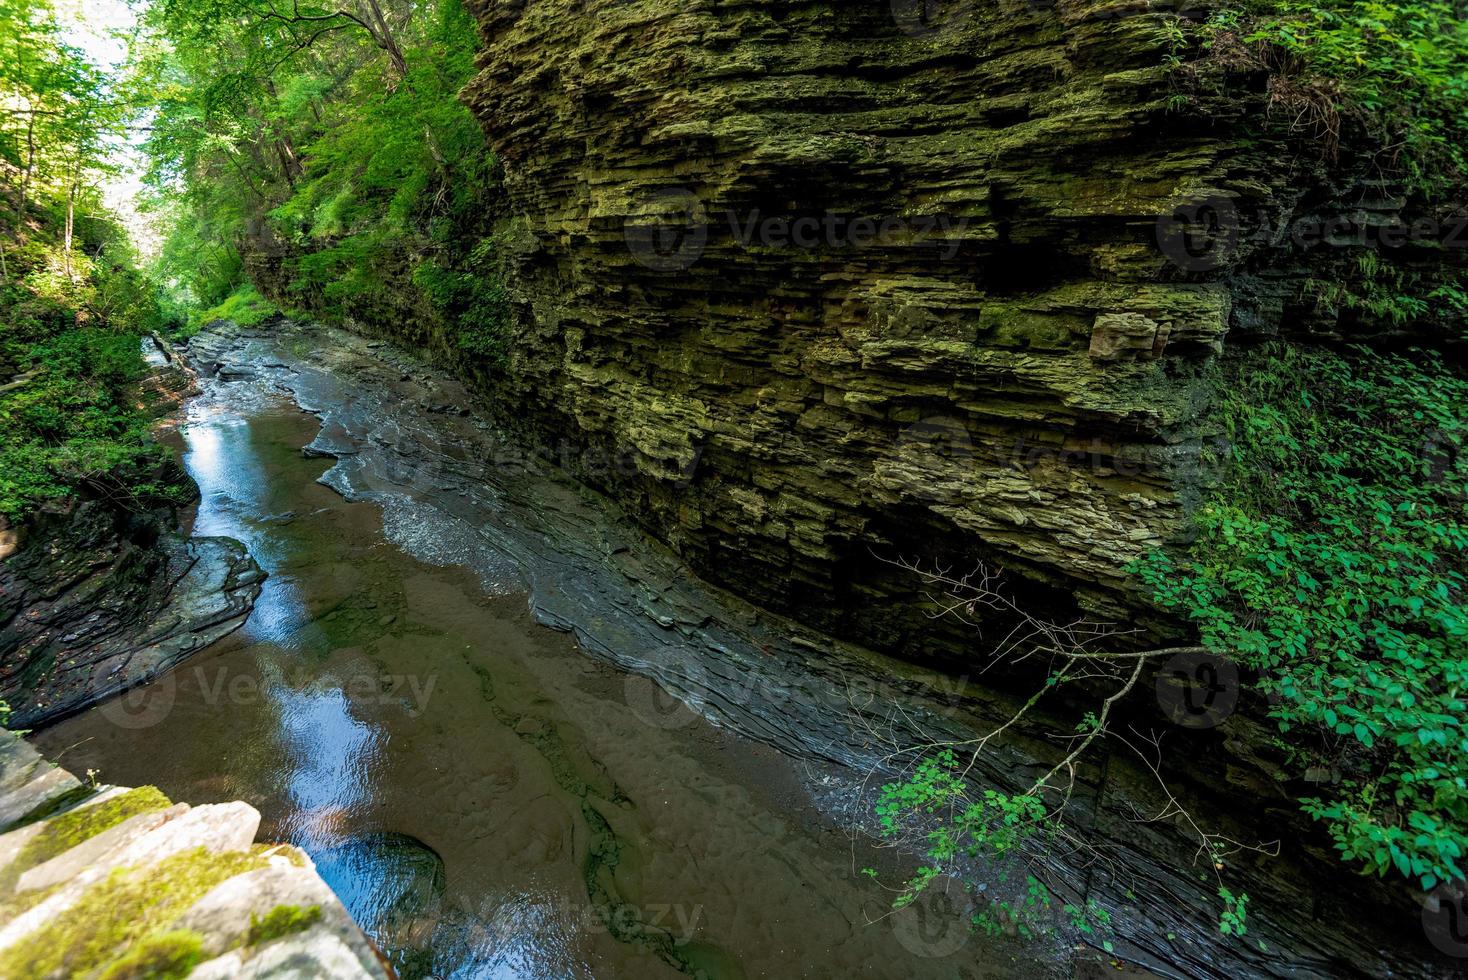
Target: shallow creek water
488,800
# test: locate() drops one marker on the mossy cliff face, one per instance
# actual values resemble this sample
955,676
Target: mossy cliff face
1014,370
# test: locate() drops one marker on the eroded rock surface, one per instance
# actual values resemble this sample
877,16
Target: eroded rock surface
103,601
767,391
97,597
116,879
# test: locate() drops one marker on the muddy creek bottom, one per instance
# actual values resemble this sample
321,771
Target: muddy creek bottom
486,800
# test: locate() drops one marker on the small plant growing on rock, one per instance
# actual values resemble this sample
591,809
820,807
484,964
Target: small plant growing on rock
283,920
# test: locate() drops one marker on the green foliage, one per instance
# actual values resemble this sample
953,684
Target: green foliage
1235,918
1400,65
344,151
244,306
72,421
1386,293
1331,561
72,306
953,820
283,920
473,299
56,106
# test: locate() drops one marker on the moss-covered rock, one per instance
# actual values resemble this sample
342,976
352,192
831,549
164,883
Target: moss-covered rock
126,885
75,827
1109,224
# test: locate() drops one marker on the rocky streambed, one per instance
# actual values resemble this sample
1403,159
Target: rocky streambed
667,780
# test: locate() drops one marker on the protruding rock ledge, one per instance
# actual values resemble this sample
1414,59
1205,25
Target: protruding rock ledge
104,603
117,882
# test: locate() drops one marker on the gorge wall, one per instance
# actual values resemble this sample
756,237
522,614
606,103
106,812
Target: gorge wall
1014,367
810,286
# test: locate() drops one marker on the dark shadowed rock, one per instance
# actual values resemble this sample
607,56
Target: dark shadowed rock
101,601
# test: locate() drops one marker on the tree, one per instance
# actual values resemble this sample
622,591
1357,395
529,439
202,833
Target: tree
331,135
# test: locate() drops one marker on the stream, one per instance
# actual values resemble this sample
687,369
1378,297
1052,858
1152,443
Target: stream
520,738
488,799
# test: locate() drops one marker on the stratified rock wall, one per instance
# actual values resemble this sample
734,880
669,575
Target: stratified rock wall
98,596
1013,368
104,601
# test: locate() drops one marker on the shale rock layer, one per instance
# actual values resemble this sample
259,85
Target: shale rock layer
808,285
823,282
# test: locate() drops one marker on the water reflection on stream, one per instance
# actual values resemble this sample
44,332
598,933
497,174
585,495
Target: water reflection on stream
486,800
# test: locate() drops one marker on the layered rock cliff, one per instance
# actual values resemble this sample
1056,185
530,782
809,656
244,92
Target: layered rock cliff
809,285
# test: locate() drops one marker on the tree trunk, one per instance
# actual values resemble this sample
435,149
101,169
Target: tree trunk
30,162
70,229
383,35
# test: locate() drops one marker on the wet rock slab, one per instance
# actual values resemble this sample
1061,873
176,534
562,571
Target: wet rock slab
104,601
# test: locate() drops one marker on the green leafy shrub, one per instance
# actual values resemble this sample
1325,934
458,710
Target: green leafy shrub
473,299
951,820
1331,561
1399,66
244,306
72,420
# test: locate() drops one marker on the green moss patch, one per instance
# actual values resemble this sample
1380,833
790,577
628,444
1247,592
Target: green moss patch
63,833
125,916
161,956
281,921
